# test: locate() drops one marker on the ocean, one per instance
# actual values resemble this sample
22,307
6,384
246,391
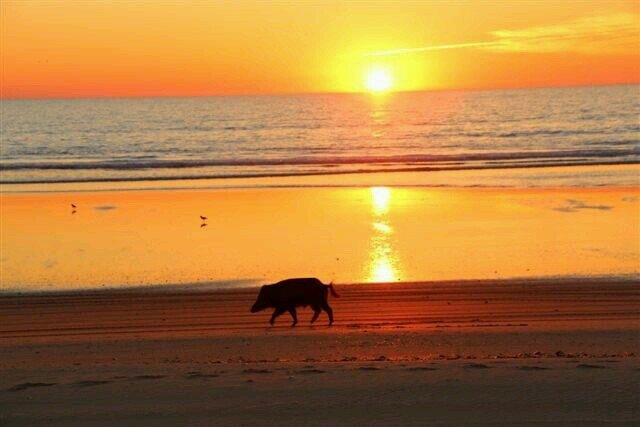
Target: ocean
389,188
163,139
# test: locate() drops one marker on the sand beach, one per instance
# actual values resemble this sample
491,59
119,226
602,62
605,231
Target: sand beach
539,352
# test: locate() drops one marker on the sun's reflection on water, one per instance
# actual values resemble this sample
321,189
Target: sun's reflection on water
383,262
380,196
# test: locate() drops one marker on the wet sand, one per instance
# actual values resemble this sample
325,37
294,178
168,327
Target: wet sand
255,236
551,352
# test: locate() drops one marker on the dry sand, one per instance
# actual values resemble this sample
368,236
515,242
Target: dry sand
551,352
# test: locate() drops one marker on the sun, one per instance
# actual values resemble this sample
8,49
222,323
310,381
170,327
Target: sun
378,80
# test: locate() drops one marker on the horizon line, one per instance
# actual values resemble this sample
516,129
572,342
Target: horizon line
360,92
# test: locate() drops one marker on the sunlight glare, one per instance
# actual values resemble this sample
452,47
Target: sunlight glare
380,197
383,265
382,269
378,80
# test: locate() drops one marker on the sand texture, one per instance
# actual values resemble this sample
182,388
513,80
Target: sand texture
549,352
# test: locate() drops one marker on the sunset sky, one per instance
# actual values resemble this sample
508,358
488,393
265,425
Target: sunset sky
145,48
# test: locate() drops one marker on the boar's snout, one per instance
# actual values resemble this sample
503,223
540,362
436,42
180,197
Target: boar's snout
261,302
259,306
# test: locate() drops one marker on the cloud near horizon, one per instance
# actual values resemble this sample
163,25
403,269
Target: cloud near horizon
613,33
572,205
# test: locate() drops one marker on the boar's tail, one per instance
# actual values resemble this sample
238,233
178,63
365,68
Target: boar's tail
333,290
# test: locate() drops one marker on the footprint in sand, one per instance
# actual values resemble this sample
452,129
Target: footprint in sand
148,377
24,386
89,383
533,368
194,375
257,371
476,366
310,371
587,366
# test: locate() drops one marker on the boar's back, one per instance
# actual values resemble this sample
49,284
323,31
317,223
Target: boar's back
307,291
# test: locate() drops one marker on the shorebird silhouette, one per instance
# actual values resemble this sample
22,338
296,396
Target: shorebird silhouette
204,218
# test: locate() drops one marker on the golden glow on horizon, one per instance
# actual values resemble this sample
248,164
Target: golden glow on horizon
208,48
378,80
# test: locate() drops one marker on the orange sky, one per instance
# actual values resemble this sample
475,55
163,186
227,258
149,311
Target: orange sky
144,48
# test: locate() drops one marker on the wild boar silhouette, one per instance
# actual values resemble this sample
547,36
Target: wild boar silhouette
288,294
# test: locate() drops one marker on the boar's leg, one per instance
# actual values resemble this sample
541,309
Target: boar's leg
329,311
276,313
316,312
292,310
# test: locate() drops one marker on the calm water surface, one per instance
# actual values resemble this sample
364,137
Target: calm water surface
163,139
